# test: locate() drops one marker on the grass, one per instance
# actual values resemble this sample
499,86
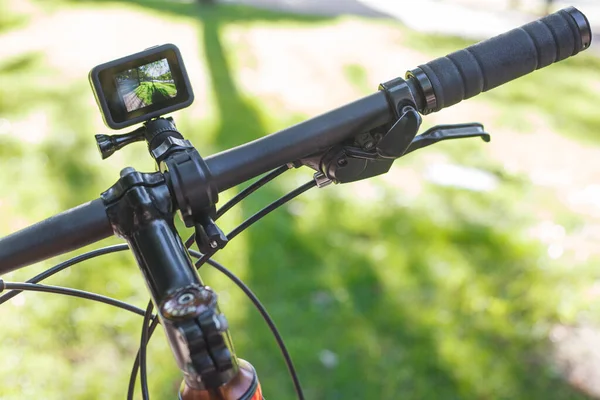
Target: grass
155,92
436,295
9,19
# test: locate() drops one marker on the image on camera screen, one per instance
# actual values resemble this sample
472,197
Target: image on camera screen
146,85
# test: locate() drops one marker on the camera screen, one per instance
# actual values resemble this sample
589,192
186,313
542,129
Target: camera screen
146,85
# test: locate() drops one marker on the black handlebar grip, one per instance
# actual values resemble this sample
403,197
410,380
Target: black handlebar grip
485,65
56,235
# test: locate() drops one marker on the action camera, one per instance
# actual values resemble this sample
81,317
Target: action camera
141,86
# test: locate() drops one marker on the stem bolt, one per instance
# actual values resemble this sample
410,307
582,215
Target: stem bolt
185,298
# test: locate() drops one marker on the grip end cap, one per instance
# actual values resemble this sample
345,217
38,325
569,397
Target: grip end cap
583,24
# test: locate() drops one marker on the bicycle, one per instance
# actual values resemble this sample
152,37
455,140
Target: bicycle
354,142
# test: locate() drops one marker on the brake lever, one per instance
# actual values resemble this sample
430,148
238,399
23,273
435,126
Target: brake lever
447,132
349,163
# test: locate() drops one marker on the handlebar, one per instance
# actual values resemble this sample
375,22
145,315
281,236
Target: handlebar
488,64
67,231
237,165
435,85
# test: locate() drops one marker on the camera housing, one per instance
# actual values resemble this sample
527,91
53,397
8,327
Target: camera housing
141,86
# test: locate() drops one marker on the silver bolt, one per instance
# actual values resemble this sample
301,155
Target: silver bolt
214,244
369,145
321,179
185,298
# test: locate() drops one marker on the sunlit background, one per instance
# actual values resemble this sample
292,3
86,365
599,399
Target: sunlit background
469,271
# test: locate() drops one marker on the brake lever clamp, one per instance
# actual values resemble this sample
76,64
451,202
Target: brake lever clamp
398,138
373,153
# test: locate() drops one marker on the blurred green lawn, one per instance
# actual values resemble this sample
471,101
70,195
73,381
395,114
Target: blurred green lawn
379,291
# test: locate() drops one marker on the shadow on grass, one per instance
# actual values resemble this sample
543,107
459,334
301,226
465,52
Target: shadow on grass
364,325
19,63
395,302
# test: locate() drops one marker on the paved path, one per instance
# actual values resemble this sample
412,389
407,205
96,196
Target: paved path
471,19
132,102
127,91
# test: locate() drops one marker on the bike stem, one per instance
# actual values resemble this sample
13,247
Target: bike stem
141,208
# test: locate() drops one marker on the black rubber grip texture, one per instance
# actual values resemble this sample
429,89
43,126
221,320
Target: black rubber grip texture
488,64
56,235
